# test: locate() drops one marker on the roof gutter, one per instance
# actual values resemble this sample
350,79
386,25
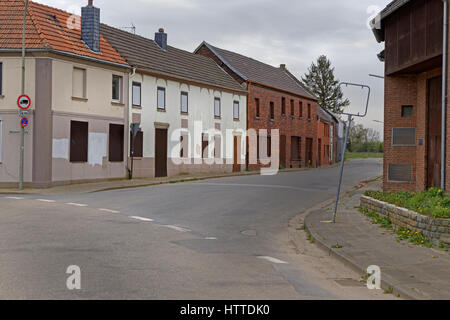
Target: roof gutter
73,55
444,96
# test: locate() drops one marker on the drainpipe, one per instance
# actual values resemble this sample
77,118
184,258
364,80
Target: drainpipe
444,95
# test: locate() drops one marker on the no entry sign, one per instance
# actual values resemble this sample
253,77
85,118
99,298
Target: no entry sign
24,102
24,122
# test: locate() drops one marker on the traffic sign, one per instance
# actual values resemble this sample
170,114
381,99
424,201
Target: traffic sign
24,102
24,113
24,122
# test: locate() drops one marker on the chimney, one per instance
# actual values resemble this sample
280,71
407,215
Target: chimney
283,67
90,26
161,39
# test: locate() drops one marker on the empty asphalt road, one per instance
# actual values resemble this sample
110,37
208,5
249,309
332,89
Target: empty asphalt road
214,239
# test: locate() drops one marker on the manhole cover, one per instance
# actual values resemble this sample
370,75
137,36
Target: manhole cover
249,233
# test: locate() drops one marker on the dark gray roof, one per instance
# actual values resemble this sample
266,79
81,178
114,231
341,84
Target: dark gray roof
324,115
144,54
252,70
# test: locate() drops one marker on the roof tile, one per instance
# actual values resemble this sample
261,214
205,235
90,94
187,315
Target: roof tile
47,28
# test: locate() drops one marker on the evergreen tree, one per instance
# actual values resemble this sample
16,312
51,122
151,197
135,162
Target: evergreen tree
320,80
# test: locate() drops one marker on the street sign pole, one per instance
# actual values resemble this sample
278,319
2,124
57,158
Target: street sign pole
347,133
341,174
22,129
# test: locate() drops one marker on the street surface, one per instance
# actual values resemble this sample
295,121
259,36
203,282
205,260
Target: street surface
213,239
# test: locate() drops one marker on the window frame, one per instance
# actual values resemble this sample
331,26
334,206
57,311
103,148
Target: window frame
236,103
133,85
84,84
220,108
292,108
300,104
309,112
186,94
272,110
163,89
404,114
257,108
283,106
115,76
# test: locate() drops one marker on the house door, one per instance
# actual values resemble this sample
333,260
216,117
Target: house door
320,153
434,132
161,153
283,151
309,152
237,147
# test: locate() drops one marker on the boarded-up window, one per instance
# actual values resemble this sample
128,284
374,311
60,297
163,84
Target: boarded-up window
79,83
78,141
116,142
217,111
184,102
400,172
295,144
161,98
137,145
236,110
407,111
136,94
257,111
404,136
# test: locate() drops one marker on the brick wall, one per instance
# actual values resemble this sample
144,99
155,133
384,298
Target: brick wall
399,90
289,126
325,141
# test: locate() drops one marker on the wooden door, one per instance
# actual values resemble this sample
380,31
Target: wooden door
434,132
319,161
283,151
161,153
309,152
237,148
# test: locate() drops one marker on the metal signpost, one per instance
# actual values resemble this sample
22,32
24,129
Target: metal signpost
23,100
347,132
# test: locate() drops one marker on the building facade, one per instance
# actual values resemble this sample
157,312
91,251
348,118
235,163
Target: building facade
191,113
413,33
79,106
276,100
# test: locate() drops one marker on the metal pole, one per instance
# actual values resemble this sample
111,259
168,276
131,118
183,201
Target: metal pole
347,133
22,130
444,95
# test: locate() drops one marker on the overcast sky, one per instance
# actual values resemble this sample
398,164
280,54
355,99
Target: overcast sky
293,32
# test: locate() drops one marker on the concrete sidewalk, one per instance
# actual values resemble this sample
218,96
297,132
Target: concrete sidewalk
411,271
136,183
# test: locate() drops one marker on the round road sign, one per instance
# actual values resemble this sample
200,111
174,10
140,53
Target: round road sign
24,122
24,102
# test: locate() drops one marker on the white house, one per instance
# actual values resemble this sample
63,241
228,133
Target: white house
191,113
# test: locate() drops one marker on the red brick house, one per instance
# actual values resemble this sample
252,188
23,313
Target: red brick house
276,100
413,56
326,135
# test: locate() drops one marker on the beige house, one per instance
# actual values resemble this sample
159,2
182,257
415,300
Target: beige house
191,113
78,85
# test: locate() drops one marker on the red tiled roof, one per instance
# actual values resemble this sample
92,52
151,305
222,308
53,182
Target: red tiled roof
47,28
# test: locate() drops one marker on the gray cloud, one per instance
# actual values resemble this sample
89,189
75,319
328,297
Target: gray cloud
273,31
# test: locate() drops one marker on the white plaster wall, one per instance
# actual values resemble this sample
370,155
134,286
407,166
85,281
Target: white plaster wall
200,106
